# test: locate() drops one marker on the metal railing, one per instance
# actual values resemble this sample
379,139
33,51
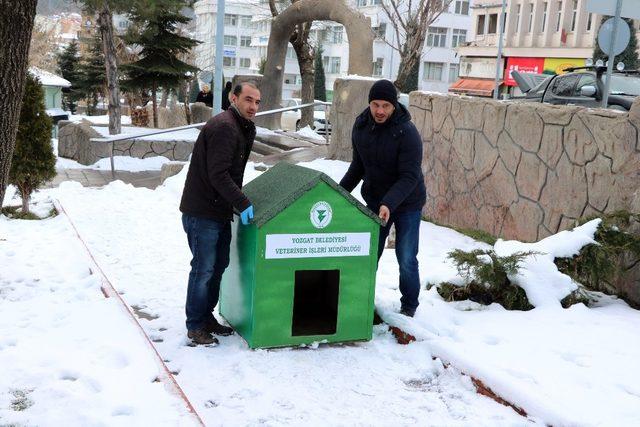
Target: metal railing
124,137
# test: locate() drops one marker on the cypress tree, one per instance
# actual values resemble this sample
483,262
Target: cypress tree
92,78
629,57
68,67
159,65
319,87
33,160
411,83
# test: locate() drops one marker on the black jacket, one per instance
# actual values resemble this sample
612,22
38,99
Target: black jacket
214,180
206,97
226,103
388,158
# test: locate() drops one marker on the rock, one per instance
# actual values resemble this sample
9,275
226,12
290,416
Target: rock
463,147
578,142
524,126
509,152
531,176
522,221
485,157
599,182
466,113
557,114
494,116
634,113
565,193
200,113
441,108
74,142
170,169
499,188
551,147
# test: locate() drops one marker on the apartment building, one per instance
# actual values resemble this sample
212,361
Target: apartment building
439,65
240,55
539,36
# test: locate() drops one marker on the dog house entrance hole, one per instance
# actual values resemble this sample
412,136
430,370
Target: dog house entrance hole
315,302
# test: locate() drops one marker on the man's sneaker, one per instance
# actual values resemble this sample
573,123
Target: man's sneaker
201,336
212,326
407,312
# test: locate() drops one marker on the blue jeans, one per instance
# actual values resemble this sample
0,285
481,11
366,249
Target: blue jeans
209,242
407,239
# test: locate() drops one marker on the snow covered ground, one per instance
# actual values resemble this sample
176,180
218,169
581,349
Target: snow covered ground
564,367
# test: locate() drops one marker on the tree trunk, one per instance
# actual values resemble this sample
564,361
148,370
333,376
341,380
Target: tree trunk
16,24
307,91
187,110
25,201
105,23
155,105
165,98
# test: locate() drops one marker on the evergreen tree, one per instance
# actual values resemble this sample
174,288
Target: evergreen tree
33,160
261,65
159,65
629,57
320,88
68,67
92,78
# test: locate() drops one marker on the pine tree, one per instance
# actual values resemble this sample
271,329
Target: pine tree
319,87
92,78
68,62
33,160
159,65
261,65
629,57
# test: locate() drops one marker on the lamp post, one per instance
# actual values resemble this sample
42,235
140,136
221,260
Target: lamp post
499,57
217,94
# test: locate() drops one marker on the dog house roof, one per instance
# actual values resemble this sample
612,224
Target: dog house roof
277,188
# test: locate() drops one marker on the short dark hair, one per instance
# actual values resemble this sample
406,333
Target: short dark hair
238,89
228,85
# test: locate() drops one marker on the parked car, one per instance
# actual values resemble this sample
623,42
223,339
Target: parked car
582,86
291,119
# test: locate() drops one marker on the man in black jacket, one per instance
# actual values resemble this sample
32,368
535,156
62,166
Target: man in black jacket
212,191
387,156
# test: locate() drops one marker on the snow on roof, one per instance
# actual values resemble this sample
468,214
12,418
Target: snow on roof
49,79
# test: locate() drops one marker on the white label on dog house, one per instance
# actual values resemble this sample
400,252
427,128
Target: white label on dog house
317,245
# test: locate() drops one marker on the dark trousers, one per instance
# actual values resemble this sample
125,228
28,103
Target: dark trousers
407,240
209,242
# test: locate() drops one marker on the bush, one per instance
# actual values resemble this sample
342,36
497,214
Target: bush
605,266
33,161
486,276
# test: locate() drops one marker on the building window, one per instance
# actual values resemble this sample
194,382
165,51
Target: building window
589,21
462,7
331,64
245,41
480,29
336,35
544,17
459,37
380,31
518,18
432,71
245,62
377,67
530,27
291,53
230,20
230,41
245,21
362,3
493,23
454,72
437,37
228,61
574,15
559,22
123,24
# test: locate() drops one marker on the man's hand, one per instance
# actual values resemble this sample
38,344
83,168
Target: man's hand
384,213
246,215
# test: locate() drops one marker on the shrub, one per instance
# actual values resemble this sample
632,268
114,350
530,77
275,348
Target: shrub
33,161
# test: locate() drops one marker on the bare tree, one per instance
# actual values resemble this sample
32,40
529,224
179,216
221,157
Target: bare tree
410,20
305,53
43,48
105,24
16,24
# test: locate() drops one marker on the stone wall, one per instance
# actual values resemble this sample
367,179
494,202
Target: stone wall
525,170
74,142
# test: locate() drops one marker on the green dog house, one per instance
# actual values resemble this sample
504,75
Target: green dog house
304,270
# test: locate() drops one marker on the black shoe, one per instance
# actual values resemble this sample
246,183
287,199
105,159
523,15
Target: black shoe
201,336
213,327
408,312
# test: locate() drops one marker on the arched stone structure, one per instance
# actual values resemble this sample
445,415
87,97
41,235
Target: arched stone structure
358,29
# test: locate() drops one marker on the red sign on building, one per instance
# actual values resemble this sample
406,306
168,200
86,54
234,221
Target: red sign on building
522,65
